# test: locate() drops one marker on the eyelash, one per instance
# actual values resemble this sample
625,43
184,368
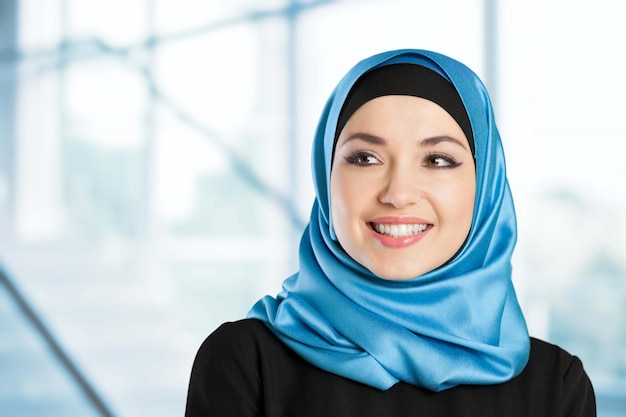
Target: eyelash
357,158
430,158
353,158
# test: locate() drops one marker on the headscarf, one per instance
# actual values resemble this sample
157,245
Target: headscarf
458,324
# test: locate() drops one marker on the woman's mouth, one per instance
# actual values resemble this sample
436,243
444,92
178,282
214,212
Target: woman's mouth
399,230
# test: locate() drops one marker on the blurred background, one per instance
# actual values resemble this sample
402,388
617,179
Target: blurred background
155,175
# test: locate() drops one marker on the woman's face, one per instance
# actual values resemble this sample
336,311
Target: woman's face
402,186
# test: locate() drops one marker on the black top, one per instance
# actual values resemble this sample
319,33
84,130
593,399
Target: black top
243,370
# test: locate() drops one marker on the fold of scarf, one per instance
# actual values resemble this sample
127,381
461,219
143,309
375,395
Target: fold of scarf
458,324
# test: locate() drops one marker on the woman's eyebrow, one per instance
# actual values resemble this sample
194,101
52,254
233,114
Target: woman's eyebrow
366,137
438,139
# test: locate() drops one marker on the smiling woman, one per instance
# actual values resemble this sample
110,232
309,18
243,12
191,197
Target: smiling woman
403,304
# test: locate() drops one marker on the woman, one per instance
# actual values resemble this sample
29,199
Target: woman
403,304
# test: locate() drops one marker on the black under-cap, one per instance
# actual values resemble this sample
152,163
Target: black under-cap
406,80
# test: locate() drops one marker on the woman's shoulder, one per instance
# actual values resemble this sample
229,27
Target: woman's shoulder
549,357
244,328
226,371
242,338
562,376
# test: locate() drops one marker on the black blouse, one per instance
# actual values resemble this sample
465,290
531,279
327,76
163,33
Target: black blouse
243,370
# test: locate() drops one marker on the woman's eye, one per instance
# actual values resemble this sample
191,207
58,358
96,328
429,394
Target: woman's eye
362,158
441,161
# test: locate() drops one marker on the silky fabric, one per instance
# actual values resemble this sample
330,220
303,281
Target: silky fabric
458,324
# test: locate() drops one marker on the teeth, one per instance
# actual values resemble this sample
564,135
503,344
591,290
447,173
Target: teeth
399,230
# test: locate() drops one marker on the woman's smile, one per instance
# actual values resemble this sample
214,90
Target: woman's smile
398,232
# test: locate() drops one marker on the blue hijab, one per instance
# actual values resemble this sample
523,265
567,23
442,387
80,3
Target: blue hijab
458,324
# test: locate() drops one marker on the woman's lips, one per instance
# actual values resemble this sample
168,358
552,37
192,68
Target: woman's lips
398,232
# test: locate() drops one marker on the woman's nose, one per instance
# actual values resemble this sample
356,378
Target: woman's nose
400,189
